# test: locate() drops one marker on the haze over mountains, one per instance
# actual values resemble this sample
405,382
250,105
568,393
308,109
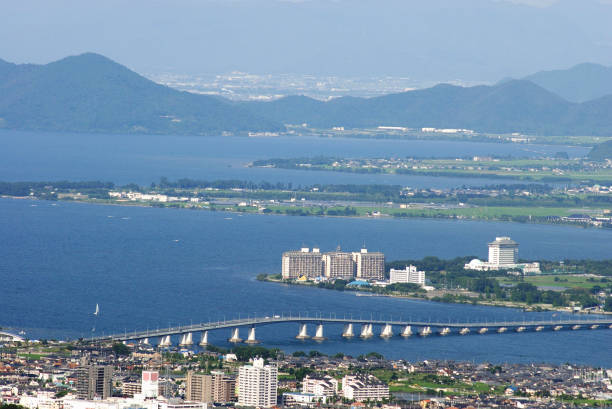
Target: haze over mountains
90,93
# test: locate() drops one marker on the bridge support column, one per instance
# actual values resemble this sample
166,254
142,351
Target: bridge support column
387,331
251,338
186,340
144,341
319,334
165,341
204,339
407,332
235,338
445,331
348,331
425,332
464,331
521,329
501,330
303,334
539,328
483,330
366,331
594,326
577,326
557,327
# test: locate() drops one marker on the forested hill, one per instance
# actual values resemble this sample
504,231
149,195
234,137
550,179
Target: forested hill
91,93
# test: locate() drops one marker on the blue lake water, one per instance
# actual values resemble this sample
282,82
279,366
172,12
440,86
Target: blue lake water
144,159
150,268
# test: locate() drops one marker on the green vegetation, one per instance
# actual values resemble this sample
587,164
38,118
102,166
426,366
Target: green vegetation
120,349
601,152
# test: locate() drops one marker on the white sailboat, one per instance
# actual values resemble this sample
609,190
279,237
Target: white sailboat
97,310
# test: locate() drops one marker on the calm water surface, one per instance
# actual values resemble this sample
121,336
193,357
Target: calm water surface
144,159
150,268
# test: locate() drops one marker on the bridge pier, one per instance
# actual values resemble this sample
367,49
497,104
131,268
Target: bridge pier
501,330
445,331
387,331
144,341
319,334
235,338
348,331
303,334
251,338
483,330
521,329
539,328
366,331
165,341
425,331
464,331
575,327
557,327
203,339
407,332
186,340
594,326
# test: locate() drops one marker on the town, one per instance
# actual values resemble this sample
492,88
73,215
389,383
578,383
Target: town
68,375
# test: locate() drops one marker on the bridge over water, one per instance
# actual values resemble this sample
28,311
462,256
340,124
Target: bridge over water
367,328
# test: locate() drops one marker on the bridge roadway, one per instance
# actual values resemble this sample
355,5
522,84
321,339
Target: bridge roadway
332,319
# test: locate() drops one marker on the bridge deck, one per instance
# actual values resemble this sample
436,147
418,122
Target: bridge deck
247,322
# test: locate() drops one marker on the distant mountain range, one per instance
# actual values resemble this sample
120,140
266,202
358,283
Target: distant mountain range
580,83
90,93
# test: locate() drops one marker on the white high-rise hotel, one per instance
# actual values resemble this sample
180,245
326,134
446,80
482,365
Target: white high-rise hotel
334,265
257,384
503,252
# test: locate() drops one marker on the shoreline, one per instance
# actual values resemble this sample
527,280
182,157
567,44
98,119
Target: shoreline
401,214
472,301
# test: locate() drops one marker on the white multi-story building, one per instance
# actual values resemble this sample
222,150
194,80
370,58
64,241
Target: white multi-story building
340,265
410,275
302,399
307,263
257,384
324,385
369,266
503,252
364,387
150,384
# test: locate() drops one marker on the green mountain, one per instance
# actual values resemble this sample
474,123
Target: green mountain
601,152
580,83
511,106
91,93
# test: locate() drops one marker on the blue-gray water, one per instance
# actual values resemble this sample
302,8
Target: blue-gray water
144,159
57,260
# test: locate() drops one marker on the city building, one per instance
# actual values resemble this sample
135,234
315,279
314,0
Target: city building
503,252
257,384
150,384
320,385
94,381
339,265
306,263
503,255
364,387
410,275
216,387
369,266
302,399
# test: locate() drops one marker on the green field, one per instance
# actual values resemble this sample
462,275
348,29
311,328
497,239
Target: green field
564,280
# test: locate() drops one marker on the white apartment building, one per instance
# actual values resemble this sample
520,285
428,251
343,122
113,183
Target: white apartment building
340,265
364,387
257,384
302,263
410,275
320,385
369,266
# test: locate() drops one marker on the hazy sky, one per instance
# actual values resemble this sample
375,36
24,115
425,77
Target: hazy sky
476,40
